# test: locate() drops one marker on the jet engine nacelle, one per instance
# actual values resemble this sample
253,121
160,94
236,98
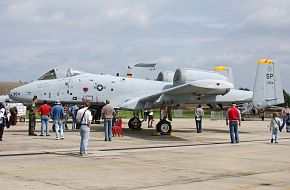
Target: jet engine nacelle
184,75
166,76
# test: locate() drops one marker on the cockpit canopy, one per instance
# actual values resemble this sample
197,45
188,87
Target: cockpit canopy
57,73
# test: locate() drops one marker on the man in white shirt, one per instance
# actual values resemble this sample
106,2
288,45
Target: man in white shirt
84,116
198,118
274,127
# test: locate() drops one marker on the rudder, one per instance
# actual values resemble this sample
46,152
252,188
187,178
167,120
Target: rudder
268,86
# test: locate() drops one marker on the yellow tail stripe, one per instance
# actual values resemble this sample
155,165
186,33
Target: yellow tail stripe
265,61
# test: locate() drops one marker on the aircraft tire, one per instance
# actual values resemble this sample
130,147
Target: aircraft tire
164,127
22,119
134,123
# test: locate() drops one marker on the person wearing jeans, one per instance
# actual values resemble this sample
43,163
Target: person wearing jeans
44,124
234,134
108,129
85,134
285,115
73,112
44,111
57,114
58,128
198,118
108,114
84,116
274,127
233,119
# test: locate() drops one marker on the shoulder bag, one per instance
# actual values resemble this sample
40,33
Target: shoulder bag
79,123
280,126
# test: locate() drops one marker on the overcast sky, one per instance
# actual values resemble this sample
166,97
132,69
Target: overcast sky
105,36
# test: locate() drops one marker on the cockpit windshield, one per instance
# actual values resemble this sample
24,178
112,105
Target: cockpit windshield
48,76
58,73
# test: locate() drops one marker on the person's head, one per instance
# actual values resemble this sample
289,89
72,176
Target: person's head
1,105
233,104
286,106
57,102
199,106
34,99
274,115
107,101
45,102
87,103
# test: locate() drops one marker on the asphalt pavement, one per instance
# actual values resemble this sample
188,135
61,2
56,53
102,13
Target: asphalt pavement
140,160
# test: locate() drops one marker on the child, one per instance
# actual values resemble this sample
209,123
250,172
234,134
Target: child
274,126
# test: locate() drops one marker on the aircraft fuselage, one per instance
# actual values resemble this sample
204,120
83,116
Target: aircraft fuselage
98,88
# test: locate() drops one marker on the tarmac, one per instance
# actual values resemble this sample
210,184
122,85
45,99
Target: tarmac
139,160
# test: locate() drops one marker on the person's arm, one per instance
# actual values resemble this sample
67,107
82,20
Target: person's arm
103,113
78,116
39,110
271,124
239,117
227,118
51,114
90,119
62,113
280,122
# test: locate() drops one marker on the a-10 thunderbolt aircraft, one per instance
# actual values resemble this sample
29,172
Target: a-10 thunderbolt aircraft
182,87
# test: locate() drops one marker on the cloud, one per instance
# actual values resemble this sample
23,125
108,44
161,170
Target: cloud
43,41
269,21
68,13
22,11
106,36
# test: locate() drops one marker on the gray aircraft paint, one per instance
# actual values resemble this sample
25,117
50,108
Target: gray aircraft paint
133,93
268,86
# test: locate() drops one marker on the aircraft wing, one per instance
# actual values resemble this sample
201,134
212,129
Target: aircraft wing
197,88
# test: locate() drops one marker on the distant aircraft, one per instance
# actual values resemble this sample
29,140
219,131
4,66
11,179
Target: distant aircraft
170,90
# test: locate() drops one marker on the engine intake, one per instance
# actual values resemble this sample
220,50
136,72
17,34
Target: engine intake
184,75
166,76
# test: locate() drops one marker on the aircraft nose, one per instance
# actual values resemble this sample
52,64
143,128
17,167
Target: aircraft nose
12,94
15,94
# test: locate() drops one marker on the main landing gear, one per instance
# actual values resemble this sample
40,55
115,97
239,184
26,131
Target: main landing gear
163,126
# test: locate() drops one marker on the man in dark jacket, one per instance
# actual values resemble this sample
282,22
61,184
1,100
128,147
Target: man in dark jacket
32,118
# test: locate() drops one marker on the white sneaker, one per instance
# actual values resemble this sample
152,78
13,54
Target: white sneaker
57,138
62,137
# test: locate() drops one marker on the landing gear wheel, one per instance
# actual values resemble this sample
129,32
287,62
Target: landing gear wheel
22,119
164,127
135,123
